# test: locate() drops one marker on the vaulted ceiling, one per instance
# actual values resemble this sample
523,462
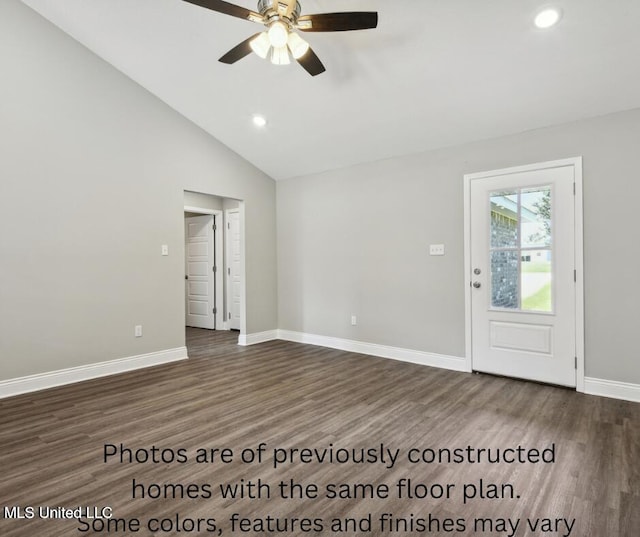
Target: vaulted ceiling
434,73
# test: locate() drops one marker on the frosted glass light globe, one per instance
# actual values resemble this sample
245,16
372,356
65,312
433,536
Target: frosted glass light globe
261,45
278,34
297,45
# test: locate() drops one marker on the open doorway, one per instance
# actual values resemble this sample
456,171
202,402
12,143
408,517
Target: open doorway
214,275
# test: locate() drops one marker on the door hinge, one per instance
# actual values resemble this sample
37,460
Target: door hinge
228,225
576,363
214,227
229,271
575,275
215,310
215,269
229,315
574,189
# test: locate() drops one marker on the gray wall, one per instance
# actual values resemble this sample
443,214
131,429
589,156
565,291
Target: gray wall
92,174
356,241
230,204
202,201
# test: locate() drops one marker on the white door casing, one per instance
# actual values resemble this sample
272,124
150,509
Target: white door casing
233,269
199,270
524,294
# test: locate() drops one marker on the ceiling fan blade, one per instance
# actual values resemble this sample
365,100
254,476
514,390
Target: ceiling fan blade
311,63
228,9
338,22
239,51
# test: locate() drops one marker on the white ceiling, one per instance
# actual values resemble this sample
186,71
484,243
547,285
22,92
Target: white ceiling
434,73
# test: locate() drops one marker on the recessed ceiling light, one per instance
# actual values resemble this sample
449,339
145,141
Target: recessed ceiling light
259,121
547,18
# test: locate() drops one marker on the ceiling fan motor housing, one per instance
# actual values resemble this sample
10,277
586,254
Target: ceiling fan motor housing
266,9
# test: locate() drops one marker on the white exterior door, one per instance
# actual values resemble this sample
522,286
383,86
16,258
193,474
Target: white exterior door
199,263
522,274
234,253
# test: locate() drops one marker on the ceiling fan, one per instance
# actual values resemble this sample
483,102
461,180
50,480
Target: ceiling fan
280,41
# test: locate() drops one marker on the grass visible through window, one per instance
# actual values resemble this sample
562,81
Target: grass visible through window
536,286
540,301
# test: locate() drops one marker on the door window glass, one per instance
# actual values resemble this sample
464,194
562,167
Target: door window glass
504,279
521,249
504,219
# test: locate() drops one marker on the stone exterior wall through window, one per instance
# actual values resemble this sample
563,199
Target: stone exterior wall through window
504,264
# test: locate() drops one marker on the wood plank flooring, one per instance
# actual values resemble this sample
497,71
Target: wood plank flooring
290,395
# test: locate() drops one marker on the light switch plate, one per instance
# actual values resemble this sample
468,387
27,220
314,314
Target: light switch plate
436,249
165,249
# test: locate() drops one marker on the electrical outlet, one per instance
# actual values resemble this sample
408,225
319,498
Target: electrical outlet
138,330
436,249
354,320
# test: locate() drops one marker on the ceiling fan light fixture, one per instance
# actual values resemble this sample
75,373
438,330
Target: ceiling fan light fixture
297,45
261,45
281,19
278,34
280,55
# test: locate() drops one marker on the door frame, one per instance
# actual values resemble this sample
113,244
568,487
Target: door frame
576,163
227,265
219,262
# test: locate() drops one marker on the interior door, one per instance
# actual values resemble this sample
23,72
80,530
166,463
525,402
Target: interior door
199,263
523,275
233,268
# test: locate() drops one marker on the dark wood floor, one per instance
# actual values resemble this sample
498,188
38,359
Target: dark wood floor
291,395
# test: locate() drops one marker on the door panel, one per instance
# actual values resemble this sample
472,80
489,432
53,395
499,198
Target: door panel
200,285
234,269
522,264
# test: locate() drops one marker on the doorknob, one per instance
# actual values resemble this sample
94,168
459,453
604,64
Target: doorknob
186,276
476,285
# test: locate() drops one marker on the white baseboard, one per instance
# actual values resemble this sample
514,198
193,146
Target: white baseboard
42,381
8,388
258,337
614,389
454,363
